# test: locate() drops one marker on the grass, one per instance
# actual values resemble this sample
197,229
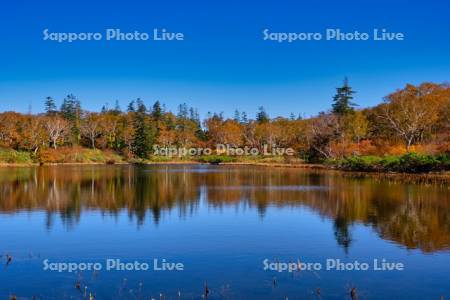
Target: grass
9,156
60,155
217,159
78,155
408,163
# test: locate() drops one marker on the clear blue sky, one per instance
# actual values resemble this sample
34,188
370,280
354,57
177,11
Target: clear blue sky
223,64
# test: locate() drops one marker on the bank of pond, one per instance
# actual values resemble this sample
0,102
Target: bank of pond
408,163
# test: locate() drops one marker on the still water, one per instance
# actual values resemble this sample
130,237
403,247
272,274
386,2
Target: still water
223,225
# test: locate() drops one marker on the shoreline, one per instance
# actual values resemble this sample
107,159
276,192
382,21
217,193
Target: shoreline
433,177
278,165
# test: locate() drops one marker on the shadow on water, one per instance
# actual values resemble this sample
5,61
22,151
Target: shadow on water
412,215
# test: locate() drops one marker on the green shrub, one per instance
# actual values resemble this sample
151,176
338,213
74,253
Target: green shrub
408,163
416,163
136,161
15,157
360,163
217,159
162,159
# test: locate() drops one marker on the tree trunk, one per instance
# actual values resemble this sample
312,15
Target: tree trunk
408,144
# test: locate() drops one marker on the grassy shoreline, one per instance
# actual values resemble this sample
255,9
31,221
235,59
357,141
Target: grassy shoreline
423,168
407,163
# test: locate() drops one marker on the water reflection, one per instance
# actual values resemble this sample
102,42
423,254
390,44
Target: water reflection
415,216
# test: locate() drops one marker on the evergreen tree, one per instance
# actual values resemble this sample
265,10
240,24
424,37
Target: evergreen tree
244,118
182,111
196,118
342,100
182,117
199,132
218,116
67,108
192,114
71,111
237,116
142,137
71,108
292,117
157,111
262,116
50,106
131,107
117,110
157,115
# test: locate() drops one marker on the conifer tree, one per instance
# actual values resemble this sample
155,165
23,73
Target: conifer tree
182,111
237,116
131,107
142,137
244,118
71,111
157,111
117,110
262,116
50,106
71,108
342,104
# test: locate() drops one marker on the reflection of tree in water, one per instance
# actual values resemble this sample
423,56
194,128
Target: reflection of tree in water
68,191
342,232
415,216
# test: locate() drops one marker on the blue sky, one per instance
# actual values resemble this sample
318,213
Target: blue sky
223,63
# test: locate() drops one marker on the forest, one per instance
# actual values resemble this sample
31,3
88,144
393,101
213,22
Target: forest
412,123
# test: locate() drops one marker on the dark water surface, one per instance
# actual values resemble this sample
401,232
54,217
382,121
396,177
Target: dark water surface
221,223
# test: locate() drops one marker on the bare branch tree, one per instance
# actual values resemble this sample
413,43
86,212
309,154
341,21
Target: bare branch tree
410,113
56,129
90,128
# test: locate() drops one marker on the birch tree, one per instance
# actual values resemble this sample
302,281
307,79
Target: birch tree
56,128
411,112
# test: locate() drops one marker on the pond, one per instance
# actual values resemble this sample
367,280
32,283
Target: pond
219,232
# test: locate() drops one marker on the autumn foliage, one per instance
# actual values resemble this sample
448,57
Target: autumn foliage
413,119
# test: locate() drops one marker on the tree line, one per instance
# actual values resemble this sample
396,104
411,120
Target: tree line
415,118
